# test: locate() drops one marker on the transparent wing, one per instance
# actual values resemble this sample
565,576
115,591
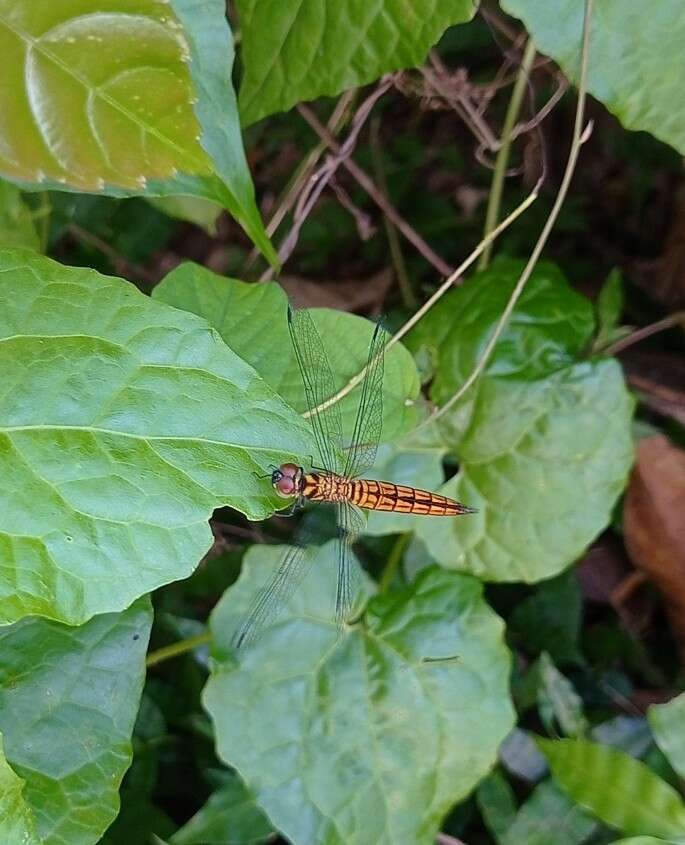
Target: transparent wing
319,385
369,421
351,523
270,601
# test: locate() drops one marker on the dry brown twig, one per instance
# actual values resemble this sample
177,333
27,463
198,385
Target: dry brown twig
580,136
316,183
377,195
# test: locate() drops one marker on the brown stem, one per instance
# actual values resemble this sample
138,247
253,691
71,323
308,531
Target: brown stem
580,136
376,195
646,331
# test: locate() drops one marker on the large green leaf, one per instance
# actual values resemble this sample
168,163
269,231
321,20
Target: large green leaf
251,318
543,438
68,702
297,50
123,424
619,790
125,97
636,60
17,228
17,821
361,737
668,725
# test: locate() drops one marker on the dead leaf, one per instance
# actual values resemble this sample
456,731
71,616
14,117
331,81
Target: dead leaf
366,295
654,524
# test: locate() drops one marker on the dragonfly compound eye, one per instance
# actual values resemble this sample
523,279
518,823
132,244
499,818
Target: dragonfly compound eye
286,479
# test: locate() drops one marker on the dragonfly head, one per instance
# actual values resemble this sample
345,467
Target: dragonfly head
287,480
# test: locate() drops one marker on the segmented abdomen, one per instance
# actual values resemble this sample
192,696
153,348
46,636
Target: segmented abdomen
380,496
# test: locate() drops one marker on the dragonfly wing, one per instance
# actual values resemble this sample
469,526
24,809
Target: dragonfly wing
369,421
319,386
351,522
270,601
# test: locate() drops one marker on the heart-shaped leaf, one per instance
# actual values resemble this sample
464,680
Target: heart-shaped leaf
543,438
68,702
300,49
370,735
123,424
636,60
124,97
251,318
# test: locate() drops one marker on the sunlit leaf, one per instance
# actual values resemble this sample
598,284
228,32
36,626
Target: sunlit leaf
543,438
549,816
123,425
68,701
619,790
230,817
636,61
372,735
124,97
251,318
668,724
17,820
17,228
300,49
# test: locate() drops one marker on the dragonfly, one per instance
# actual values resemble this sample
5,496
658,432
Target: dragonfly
338,480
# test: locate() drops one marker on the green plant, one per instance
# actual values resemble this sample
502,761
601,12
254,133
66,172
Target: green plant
132,415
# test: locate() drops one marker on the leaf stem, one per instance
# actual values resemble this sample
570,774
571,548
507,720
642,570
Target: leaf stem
498,176
177,648
646,331
393,562
580,136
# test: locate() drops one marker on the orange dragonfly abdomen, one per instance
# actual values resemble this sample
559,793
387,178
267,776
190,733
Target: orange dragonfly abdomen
379,495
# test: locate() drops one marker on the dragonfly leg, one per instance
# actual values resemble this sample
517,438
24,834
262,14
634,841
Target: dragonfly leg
292,510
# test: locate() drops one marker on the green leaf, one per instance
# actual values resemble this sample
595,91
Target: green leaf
610,304
245,315
17,821
622,792
123,425
370,735
201,212
68,702
230,817
549,816
635,63
668,725
125,97
551,619
543,438
497,804
16,219
644,840
301,49
558,700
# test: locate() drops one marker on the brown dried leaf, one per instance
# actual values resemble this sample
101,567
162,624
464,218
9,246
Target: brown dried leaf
351,295
654,524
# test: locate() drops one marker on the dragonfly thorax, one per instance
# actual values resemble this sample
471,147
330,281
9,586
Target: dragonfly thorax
288,480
